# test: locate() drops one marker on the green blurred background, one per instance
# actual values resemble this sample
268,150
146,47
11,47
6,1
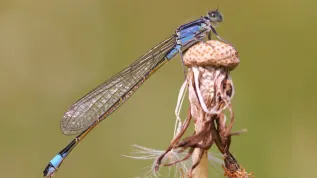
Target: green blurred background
53,52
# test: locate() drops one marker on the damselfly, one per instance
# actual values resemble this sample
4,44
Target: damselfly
98,104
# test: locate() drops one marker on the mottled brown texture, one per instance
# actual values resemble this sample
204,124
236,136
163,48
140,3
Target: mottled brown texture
212,53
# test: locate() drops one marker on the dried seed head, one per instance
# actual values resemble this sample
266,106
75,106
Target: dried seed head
212,53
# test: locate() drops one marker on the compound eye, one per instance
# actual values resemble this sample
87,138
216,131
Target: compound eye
215,16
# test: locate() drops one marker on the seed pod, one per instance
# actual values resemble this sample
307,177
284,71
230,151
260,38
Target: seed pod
212,53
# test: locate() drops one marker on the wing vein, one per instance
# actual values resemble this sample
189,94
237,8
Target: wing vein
103,100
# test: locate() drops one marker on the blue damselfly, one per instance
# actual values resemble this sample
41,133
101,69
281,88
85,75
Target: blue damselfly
98,104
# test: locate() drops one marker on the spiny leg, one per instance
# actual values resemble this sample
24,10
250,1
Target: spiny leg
183,65
216,34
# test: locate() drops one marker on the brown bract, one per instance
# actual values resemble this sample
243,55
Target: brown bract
212,53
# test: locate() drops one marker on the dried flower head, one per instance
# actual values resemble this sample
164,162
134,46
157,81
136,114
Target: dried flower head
212,53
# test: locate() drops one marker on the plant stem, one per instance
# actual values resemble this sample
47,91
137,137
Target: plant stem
201,171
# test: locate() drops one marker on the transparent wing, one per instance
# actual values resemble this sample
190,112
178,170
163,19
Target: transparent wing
107,97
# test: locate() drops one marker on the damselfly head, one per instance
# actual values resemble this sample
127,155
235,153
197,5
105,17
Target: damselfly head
215,16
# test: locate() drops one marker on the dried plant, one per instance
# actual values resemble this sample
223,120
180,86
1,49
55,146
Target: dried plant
210,90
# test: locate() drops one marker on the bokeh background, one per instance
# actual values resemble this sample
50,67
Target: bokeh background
53,52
